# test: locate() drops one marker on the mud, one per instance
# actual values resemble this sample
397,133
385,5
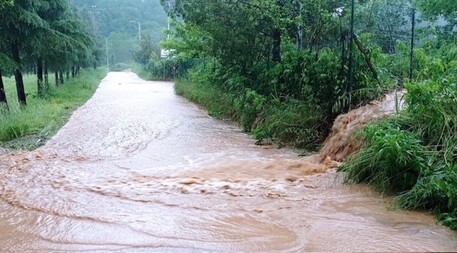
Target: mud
138,169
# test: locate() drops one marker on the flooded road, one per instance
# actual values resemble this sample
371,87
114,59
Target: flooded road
139,169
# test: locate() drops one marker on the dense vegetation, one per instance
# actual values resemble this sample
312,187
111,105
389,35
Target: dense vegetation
43,36
285,69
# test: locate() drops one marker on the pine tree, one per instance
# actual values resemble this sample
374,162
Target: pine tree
20,23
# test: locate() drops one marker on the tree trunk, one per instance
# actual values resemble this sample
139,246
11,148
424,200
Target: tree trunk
73,71
3,100
68,75
366,56
46,76
18,74
57,78
39,75
61,79
276,36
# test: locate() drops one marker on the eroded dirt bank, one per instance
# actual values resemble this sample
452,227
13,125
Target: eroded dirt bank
139,169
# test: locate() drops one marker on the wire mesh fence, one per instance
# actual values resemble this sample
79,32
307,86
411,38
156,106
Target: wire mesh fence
379,39
390,27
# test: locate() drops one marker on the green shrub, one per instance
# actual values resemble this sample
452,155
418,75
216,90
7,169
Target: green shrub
291,123
391,160
164,69
249,108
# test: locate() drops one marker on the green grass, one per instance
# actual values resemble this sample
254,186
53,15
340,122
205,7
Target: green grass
218,103
30,127
141,71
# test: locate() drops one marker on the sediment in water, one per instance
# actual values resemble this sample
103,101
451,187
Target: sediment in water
343,141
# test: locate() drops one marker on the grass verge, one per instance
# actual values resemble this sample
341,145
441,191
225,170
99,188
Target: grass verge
30,127
218,103
141,71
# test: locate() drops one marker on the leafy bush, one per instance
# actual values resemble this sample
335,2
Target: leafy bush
249,108
165,69
292,122
391,160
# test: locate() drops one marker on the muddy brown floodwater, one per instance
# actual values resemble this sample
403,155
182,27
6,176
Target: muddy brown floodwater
139,169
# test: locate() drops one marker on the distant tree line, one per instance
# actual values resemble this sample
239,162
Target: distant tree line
117,24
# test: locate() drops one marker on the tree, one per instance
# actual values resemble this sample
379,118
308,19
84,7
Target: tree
436,8
147,48
6,3
386,21
20,24
243,35
115,20
5,64
48,39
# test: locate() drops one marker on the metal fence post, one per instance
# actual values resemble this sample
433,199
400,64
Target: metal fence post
411,57
351,56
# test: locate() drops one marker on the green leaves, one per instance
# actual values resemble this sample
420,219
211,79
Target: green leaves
437,7
391,160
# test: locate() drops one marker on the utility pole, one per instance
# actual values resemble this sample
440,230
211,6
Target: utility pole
139,29
411,59
168,28
139,32
107,52
351,55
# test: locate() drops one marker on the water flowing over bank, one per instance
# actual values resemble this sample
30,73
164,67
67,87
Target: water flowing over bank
140,168
343,140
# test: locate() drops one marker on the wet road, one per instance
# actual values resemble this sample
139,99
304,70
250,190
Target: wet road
139,169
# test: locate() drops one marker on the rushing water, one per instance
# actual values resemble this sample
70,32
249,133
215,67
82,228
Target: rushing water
138,168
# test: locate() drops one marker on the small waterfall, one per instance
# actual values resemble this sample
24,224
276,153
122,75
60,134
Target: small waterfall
342,141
